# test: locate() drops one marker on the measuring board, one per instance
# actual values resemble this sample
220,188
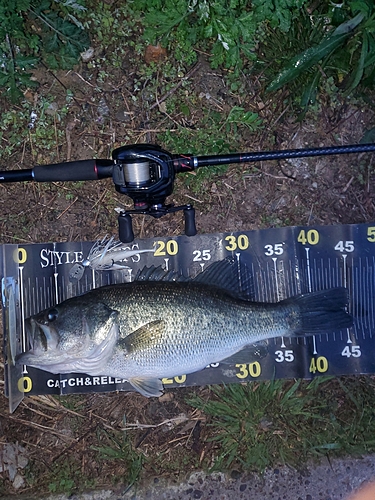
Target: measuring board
283,262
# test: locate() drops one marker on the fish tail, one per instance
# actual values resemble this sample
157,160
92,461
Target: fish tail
322,311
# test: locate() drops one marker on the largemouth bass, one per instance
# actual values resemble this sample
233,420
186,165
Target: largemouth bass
154,328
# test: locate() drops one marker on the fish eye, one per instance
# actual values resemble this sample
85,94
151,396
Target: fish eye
52,314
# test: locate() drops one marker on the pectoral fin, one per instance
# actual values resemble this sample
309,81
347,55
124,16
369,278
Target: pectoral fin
149,387
146,336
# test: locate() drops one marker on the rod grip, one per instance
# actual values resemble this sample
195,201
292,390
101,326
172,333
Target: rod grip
81,170
16,175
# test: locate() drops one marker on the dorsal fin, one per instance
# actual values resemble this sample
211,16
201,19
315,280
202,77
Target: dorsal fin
154,273
231,275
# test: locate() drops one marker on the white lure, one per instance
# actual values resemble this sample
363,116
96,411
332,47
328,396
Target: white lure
108,255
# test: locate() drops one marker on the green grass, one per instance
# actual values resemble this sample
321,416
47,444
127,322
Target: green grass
247,427
34,32
214,133
43,134
64,476
265,424
241,36
118,447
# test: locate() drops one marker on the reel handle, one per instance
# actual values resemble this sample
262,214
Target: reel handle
125,228
190,227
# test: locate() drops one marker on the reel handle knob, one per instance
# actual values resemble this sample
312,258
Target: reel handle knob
190,228
125,228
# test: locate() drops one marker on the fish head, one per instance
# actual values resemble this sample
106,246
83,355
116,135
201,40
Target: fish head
76,335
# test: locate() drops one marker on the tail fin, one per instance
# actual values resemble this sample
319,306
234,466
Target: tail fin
323,311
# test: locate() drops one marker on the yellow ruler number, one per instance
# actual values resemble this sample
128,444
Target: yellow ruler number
25,384
20,255
371,234
252,369
166,248
180,379
310,237
240,242
319,364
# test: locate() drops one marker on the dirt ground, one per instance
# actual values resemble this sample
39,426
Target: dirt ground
59,437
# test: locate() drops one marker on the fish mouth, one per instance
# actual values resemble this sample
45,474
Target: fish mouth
42,338
46,354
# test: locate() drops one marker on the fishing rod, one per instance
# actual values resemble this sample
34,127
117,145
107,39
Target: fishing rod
146,173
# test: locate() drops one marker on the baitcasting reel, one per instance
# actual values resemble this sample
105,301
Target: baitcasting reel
146,173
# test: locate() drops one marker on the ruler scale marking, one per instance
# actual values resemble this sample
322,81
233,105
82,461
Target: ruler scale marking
307,269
